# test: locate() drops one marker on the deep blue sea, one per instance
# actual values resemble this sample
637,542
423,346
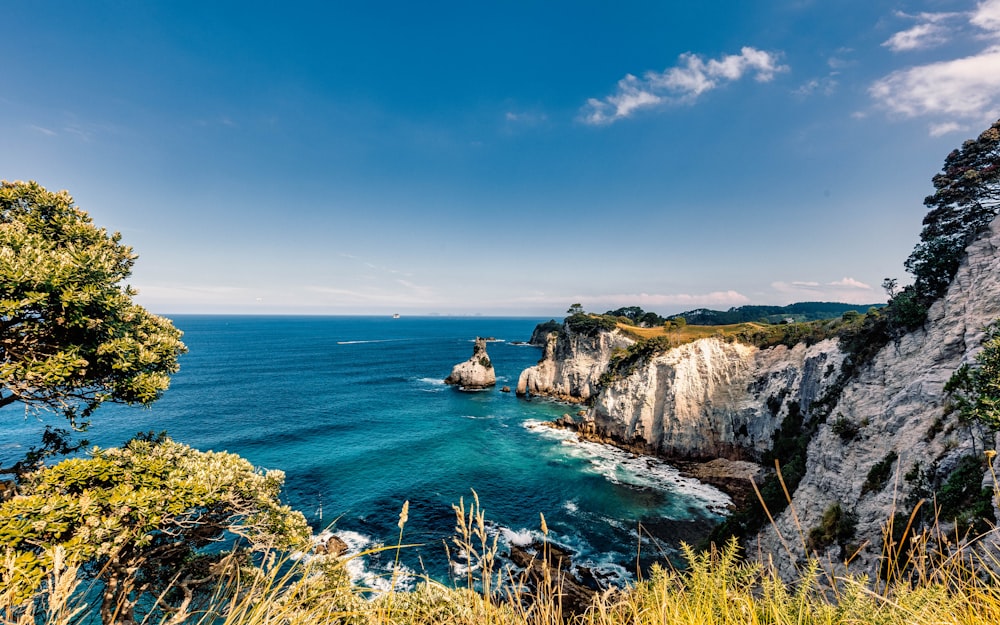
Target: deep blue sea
355,412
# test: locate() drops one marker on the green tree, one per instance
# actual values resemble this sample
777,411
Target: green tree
575,309
965,201
155,522
975,389
71,337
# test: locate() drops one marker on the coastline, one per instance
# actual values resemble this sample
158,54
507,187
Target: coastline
733,477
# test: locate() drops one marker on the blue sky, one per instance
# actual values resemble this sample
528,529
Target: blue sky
498,158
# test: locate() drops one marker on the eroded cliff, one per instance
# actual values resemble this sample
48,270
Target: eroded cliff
894,412
879,436
571,365
713,398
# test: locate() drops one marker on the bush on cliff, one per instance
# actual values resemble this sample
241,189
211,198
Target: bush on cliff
590,325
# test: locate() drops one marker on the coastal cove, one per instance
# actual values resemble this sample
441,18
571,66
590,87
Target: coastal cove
356,412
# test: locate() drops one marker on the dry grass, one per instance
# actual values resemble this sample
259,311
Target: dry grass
688,333
947,581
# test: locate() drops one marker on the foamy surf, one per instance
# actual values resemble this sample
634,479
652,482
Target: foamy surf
621,467
372,571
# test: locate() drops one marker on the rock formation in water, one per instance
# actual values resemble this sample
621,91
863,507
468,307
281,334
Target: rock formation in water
476,372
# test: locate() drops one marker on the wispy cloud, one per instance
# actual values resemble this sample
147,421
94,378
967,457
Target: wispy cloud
844,290
681,84
823,86
932,29
525,117
45,131
938,130
951,91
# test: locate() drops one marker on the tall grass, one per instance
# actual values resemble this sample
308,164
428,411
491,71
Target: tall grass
930,577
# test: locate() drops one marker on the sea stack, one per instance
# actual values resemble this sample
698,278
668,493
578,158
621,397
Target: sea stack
476,372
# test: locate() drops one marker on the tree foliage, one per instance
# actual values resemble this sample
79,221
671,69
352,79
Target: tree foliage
153,521
70,335
590,325
965,201
974,390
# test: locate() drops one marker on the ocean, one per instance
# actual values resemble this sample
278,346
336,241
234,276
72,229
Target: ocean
355,412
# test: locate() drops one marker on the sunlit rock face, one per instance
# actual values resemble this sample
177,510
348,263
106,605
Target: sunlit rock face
475,373
713,398
571,365
897,405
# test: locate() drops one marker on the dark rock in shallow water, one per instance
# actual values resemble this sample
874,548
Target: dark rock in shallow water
576,596
334,546
505,389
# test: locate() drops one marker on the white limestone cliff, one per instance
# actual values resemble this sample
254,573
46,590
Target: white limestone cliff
713,398
571,365
898,405
475,373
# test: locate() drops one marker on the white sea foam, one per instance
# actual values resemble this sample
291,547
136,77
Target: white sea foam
519,538
621,467
432,385
602,565
368,570
571,507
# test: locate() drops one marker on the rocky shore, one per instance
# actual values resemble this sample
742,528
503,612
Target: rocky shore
733,477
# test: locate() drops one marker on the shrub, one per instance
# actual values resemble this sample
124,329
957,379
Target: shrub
590,325
879,474
836,526
845,429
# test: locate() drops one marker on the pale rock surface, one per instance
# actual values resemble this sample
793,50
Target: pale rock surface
571,365
714,399
475,373
895,402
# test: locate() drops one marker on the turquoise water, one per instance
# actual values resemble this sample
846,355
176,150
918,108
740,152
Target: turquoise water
355,412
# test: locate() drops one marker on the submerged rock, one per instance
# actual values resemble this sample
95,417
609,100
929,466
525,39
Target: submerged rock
476,372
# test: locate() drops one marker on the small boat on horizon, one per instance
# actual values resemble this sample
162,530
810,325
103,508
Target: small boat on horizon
395,315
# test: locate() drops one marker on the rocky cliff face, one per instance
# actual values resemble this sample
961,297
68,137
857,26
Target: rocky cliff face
475,373
571,365
712,398
897,405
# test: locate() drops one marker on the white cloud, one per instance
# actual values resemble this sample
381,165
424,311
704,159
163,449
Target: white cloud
938,130
851,283
955,90
919,37
846,290
966,88
683,83
987,16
